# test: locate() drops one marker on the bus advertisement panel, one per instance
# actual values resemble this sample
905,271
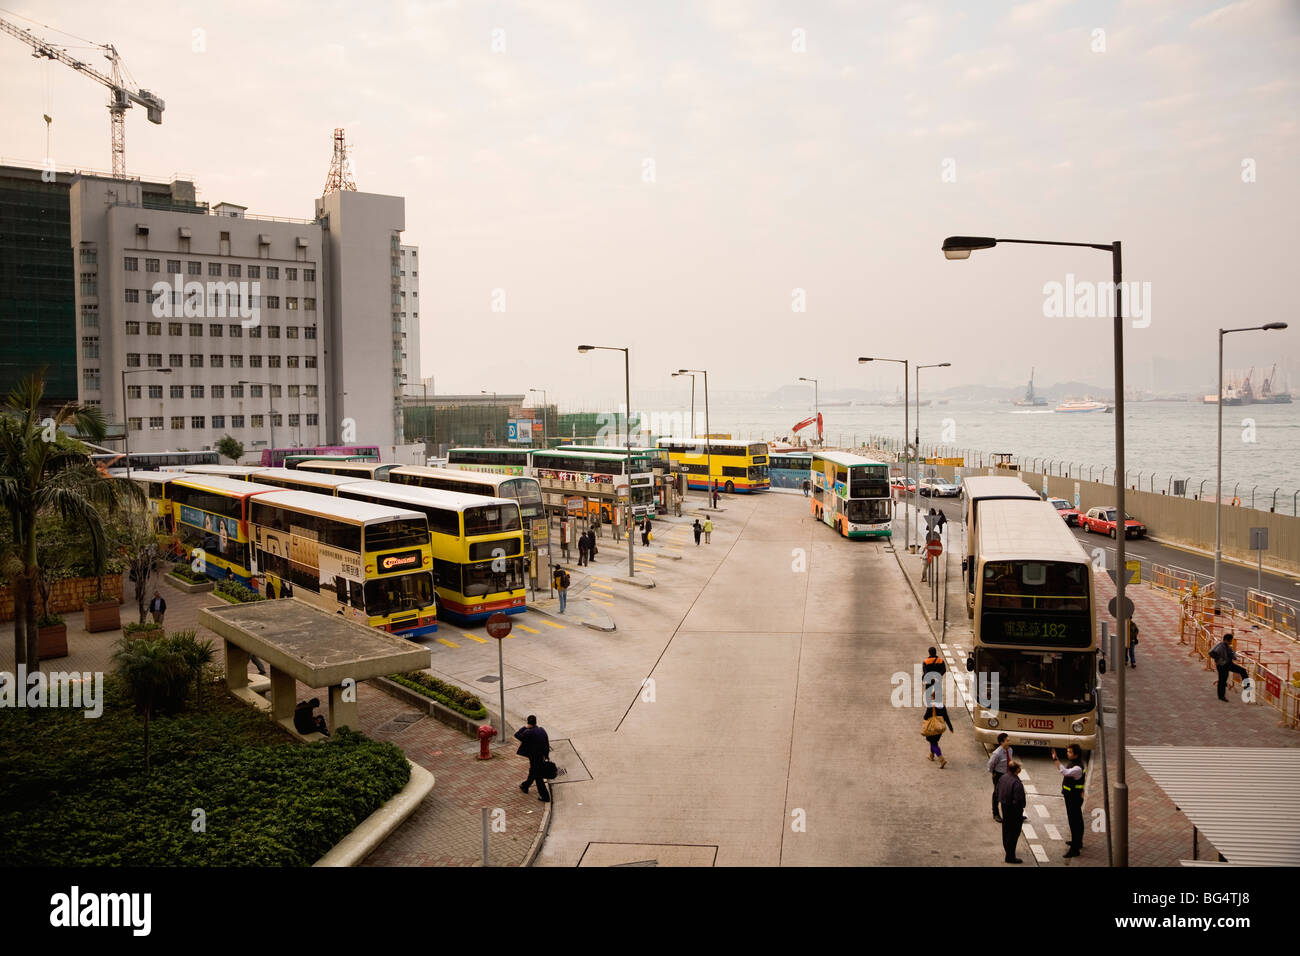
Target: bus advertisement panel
500,461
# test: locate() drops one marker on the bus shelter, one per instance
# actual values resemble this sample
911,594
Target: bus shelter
1243,800
299,642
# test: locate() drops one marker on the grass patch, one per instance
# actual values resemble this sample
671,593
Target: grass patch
73,791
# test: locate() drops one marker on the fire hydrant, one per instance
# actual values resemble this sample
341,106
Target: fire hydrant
485,733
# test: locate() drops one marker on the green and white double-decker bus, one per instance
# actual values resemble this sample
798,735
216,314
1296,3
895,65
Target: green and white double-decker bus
598,479
851,494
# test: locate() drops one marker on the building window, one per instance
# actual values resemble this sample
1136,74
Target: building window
273,361
131,264
214,268
176,391
309,361
293,421
196,328
133,391
155,423
89,256
132,328
196,360
218,421
256,421
273,302
273,272
236,331
150,297
255,272
155,360
233,271
291,331
90,316
272,331
178,422
255,391
90,379
215,329
236,361
293,391
218,391
132,295
311,418
308,275
175,328
196,391
255,361
309,332
90,346
173,267
132,359
291,303
254,331
175,359
135,424
194,268
89,284
277,420
196,421
153,328
155,391
275,391
151,265
236,421
291,361
309,305
310,390
216,361
291,275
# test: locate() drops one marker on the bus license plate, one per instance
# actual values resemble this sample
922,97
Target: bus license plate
1031,742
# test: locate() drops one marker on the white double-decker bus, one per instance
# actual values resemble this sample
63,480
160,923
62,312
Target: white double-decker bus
976,491
851,494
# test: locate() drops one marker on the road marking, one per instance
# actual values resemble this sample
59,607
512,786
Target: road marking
1042,810
1052,832
525,627
443,640
1030,788
1039,853
1024,774
553,624
481,640
604,587
1029,832
606,603
599,578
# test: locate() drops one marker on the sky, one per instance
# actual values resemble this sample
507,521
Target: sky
756,188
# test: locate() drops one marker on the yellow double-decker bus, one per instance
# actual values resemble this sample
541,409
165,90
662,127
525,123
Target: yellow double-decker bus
1035,628
736,466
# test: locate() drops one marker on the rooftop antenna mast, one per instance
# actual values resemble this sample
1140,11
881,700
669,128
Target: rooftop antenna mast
340,174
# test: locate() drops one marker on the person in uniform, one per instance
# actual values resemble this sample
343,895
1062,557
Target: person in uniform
1073,777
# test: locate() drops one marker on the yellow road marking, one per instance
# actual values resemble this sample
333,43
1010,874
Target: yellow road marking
599,577
525,627
606,603
553,624
443,640
481,640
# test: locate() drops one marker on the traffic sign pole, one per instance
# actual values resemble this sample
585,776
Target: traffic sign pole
498,626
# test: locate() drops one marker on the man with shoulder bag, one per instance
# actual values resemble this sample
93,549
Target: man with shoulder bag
536,746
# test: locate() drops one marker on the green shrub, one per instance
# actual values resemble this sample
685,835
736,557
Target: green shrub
183,570
132,628
457,698
236,592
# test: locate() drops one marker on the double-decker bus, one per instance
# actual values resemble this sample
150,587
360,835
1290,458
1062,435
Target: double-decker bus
154,460
666,487
210,513
293,461
500,461
154,484
519,488
477,542
975,491
354,468
239,472
595,477
851,494
370,562
790,469
1034,628
736,466
274,457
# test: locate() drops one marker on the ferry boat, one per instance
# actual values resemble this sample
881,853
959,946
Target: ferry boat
1081,407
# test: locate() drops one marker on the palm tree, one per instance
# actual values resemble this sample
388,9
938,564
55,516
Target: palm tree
154,672
196,654
43,470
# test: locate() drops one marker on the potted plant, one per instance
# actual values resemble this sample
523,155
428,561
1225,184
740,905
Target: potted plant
146,630
51,636
103,613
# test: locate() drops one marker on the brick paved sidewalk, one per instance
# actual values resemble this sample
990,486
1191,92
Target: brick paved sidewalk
1172,702
446,829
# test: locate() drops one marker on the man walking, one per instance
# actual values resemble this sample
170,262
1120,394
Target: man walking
536,746
932,686
1224,656
591,546
1132,643
806,485
698,530
998,762
708,530
561,582
1073,777
1011,794
715,495
157,607
582,549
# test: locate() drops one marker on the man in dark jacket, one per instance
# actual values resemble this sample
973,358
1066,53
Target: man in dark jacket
1224,656
1011,795
932,687
536,746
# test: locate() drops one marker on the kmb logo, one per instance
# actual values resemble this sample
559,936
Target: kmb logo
1036,723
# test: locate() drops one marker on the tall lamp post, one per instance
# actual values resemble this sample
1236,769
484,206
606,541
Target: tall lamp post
690,430
543,391
917,435
270,417
126,419
960,247
907,462
433,418
627,384
817,404
708,431
1218,492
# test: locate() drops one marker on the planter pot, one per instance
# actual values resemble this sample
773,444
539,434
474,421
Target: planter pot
189,587
52,641
151,633
103,616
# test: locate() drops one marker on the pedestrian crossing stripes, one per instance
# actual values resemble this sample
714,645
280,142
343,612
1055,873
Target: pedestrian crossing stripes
1028,831
1042,810
1052,832
1039,853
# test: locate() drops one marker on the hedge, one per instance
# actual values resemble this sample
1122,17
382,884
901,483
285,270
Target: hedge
457,698
234,591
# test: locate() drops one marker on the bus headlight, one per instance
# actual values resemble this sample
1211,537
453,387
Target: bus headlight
1077,726
991,721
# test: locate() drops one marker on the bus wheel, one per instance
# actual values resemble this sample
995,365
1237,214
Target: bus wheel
729,488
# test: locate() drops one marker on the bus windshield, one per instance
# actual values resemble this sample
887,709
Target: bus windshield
493,577
406,592
407,533
1040,681
869,483
867,510
490,519
1041,585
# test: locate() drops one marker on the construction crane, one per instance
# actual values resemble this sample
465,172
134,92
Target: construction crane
120,96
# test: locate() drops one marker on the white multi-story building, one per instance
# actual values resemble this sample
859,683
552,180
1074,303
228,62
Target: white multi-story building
409,270
274,330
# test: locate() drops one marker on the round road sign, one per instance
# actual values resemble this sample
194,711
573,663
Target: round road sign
1128,608
498,625
934,547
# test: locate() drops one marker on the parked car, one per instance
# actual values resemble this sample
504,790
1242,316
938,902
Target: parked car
940,488
1104,521
1066,510
903,485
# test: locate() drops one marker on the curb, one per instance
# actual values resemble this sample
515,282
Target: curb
635,582
921,605
380,825
542,831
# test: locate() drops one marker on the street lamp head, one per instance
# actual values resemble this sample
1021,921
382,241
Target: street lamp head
1269,327
584,349
945,365
960,247
863,360
683,371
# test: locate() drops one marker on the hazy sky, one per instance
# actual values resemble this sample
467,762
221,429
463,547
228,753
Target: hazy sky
789,147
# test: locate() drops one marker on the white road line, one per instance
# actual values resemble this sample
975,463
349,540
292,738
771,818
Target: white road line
1029,832
1030,788
1052,832
1039,853
1042,810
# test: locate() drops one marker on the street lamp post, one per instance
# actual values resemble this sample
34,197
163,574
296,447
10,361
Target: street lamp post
960,247
690,431
917,434
627,384
543,391
484,391
270,411
708,431
126,419
817,404
907,463
1218,491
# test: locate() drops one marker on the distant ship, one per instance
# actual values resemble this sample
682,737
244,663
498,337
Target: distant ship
1269,397
1084,406
1030,398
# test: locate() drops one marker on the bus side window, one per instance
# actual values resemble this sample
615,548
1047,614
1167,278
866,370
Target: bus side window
340,589
358,599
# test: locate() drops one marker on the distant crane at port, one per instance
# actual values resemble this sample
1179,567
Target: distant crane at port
120,96
815,420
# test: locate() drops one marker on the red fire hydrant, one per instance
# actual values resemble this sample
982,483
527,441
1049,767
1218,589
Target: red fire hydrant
485,733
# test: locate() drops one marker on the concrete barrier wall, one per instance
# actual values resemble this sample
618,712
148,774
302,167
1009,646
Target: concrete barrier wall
1177,520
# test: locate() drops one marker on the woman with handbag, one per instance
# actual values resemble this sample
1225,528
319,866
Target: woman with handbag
932,727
